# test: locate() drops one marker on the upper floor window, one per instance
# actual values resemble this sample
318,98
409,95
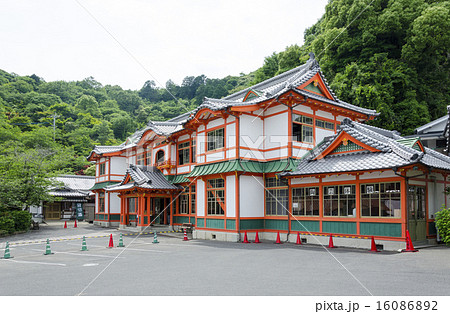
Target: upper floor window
140,159
101,202
325,124
102,169
215,139
160,156
148,158
302,128
184,153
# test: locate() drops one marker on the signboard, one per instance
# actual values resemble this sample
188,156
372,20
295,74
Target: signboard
79,211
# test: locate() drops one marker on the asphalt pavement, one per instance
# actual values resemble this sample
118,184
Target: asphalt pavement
173,267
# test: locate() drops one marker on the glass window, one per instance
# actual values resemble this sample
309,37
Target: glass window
215,139
277,197
132,205
187,200
101,202
140,159
102,168
302,130
305,201
216,196
339,200
160,156
148,158
184,152
416,202
324,124
380,200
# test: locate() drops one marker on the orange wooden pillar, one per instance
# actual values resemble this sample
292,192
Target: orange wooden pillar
140,210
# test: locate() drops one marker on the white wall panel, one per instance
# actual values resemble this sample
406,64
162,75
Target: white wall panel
215,156
251,193
230,199
200,197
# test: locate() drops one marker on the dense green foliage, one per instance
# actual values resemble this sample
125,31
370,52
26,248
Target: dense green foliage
392,56
443,224
14,221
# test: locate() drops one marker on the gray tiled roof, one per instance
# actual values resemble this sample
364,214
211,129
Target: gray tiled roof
143,177
76,183
391,153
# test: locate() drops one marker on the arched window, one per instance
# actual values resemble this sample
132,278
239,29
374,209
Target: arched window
160,156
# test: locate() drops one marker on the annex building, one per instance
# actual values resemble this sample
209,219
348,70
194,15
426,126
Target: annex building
283,156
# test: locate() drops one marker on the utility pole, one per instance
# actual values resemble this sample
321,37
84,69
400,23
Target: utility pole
54,116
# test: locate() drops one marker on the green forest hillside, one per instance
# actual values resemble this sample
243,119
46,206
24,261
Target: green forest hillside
392,56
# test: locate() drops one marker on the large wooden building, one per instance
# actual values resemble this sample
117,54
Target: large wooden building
266,159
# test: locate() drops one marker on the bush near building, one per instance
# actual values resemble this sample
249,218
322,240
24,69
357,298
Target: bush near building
14,221
443,224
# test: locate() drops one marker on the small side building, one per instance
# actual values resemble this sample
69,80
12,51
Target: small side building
75,198
366,181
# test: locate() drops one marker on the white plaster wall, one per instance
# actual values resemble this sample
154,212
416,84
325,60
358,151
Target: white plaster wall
298,153
230,140
215,156
274,109
118,165
324,114
183,137
200,197
321,134
278,153
183,169
251,193
114,207
230,196
251,132
379,175
436,198
335,178
215,123
276,129
306,180
305,109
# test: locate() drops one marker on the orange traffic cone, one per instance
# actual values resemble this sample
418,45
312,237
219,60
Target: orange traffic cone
409,245
299,241
65,224
111,244
278,238
256,238
373,247
185,236
75,225
245,238
330,244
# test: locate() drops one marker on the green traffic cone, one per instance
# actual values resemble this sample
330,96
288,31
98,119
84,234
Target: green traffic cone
7,254
48,251
121,242
155,239
83,245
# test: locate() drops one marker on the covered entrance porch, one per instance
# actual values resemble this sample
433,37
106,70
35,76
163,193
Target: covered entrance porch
146,198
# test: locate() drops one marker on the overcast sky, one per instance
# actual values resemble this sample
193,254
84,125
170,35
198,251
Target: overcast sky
128,42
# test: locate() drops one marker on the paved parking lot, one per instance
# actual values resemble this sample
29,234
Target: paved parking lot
197,267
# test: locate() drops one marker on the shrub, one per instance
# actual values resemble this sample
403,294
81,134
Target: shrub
443,224
7,224
22,220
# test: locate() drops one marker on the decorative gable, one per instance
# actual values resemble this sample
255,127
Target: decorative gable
317,85
347,146
414,143
314,87
345,143
251,94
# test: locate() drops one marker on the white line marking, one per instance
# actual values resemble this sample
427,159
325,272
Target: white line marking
28,262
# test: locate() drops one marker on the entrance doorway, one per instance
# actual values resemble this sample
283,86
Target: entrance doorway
417,224
52,211
161,216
